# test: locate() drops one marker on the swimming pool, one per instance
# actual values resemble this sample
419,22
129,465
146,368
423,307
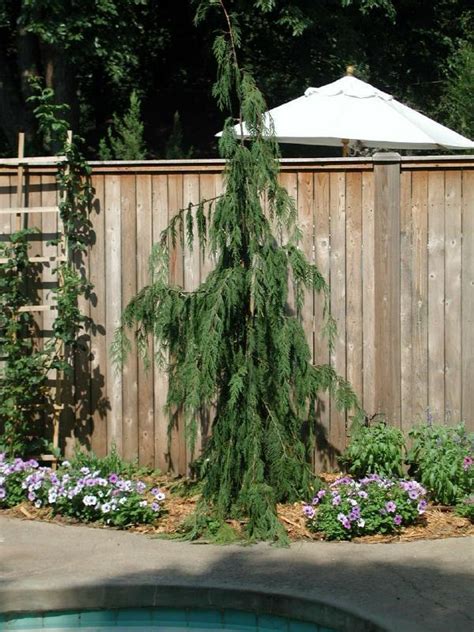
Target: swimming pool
155,620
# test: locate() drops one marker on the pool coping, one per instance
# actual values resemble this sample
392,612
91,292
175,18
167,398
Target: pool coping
106,597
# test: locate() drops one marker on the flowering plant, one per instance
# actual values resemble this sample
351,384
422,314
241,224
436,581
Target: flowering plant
12,475
83,494
349,508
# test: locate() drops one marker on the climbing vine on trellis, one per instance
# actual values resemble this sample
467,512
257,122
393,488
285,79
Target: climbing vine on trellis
25,369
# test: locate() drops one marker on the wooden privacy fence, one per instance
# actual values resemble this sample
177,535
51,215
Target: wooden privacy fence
394,237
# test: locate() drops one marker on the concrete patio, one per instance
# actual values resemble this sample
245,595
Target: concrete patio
423,586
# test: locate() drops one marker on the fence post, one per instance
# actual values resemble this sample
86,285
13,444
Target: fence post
387,285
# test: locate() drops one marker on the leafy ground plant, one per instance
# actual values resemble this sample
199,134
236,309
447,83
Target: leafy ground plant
370,505
85,494
376,448
465,507
441,458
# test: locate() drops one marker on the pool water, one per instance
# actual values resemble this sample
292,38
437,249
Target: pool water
155,620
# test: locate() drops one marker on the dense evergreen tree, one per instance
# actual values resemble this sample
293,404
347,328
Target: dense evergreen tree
234,343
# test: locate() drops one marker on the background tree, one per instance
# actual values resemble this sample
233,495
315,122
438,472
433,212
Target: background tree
94,53
124,139
234,343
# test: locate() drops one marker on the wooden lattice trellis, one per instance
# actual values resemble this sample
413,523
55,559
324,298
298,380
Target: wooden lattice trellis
22,213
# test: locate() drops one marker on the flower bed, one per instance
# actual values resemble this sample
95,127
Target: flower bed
83,493
370,505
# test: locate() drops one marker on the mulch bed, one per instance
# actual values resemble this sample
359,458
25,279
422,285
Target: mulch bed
437,522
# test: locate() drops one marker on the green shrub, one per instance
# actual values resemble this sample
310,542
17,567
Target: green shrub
441,459
376,448
112,463
465,507
371,505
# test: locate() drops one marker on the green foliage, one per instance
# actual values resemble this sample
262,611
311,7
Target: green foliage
109,464
125,137
23,376
457,99
441,459
175,147
465,507
24,389
234,343
375,448
350,508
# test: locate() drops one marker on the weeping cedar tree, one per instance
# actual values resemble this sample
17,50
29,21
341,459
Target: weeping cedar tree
234,343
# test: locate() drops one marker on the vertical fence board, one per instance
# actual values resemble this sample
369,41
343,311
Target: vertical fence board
306,222
130,252
192,276
113,280
387,284
453,271
407,370
175,200
337,201
209,189
99,387
368,305
290,182
324,456
420,294
468,299
160,208
146,422
436,295
354,281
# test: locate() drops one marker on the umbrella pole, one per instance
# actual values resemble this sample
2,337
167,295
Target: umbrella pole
345,147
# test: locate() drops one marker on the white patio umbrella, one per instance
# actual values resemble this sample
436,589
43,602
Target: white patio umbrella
350,111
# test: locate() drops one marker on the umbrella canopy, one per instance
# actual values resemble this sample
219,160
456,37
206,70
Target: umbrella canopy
350,110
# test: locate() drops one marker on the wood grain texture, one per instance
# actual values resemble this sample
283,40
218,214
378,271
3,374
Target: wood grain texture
407,370
403,328
420,295
178,441
468,299
113,306
130,253
324,457
452,304
99,393
368,297
337,201
436,295
146,422
387,289
354,331
306,223
160,208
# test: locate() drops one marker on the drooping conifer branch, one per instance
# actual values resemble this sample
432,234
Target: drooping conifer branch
234,343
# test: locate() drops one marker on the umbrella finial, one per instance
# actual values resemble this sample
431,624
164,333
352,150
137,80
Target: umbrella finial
350,71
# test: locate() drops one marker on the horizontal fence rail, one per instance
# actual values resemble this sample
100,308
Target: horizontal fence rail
394,238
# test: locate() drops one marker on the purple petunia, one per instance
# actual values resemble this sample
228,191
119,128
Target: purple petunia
390,507
422,506
467,462
113,478
398,520
308,511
